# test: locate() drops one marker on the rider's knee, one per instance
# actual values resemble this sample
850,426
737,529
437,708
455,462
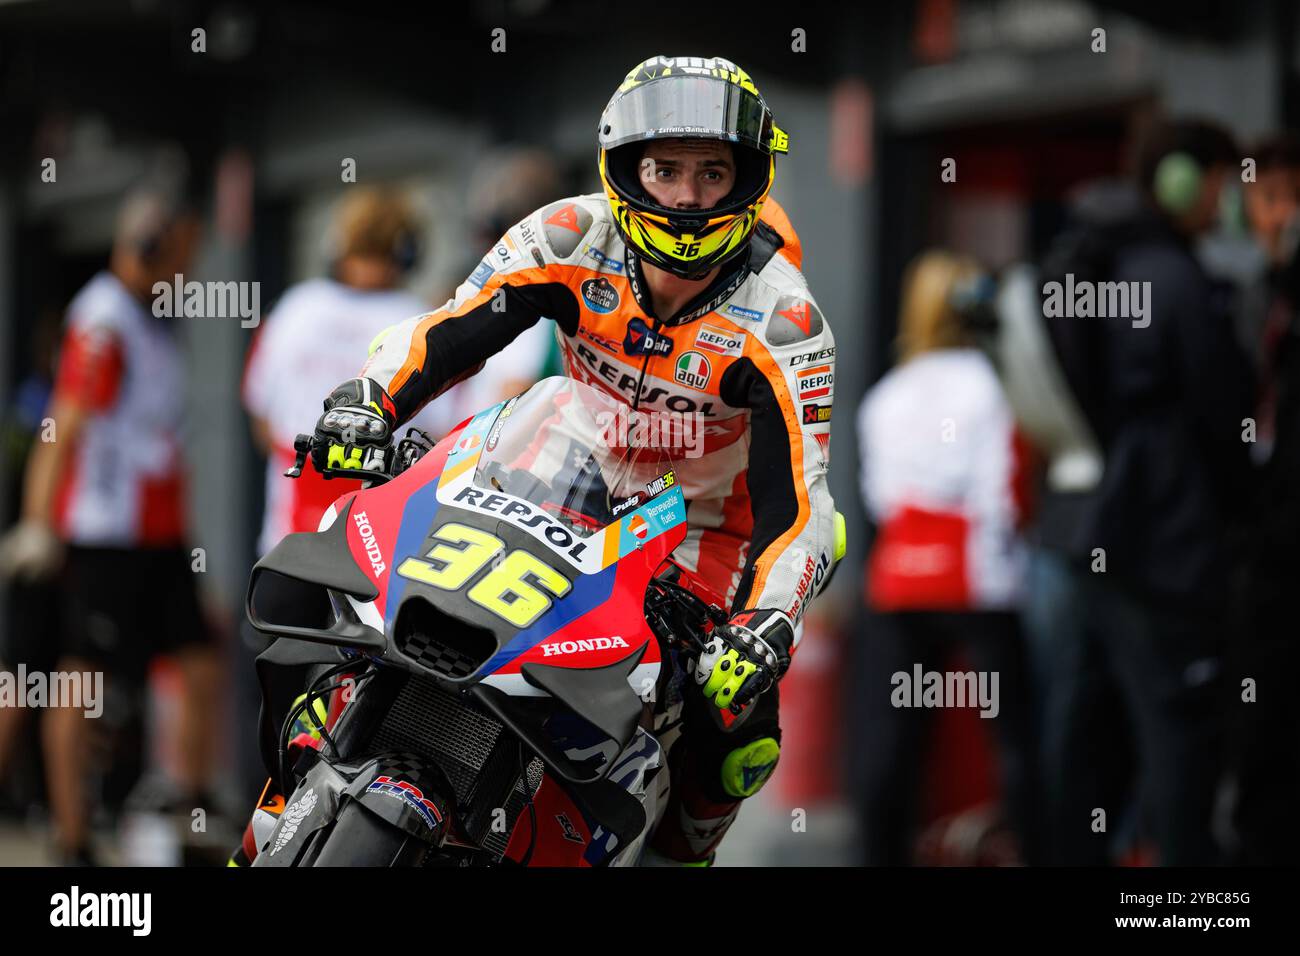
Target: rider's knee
746,768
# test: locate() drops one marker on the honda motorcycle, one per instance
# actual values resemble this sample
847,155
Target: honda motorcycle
489,640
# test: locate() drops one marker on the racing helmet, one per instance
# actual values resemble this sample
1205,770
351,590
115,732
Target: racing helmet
698,98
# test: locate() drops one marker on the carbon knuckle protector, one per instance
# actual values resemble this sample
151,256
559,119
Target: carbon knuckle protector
356,427
765,636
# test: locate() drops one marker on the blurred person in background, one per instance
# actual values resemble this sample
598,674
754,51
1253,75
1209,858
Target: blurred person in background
1044,362
105,502
313,336
1146,553
31,632
943,482
1269,205
1264,756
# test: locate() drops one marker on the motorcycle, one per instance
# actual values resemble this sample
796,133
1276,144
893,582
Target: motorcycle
493,644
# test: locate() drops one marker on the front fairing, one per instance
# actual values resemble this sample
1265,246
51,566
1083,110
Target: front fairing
381,554
598,618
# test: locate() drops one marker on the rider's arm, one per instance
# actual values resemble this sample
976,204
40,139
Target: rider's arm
786,381
524,277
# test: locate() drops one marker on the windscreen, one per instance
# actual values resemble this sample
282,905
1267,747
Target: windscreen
567,448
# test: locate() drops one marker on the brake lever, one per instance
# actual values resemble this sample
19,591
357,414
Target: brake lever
301,445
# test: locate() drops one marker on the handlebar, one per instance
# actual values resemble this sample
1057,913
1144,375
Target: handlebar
396,460
678,615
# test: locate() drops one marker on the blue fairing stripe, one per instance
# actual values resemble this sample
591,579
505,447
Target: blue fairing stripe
417,522
589,591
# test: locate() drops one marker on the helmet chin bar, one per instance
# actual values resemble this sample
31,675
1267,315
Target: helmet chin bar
680,269
691,222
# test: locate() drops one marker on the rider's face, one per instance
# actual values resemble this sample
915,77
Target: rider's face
687,173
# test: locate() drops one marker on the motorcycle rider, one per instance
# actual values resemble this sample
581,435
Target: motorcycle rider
678,292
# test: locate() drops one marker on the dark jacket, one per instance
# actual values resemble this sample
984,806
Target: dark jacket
1167,402
1274,527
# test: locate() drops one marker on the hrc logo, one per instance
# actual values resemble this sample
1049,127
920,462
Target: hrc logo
409,794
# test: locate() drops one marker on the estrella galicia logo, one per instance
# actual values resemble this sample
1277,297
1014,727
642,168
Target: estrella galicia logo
640,340
599,295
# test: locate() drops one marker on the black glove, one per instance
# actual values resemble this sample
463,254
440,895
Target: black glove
356,429
744,657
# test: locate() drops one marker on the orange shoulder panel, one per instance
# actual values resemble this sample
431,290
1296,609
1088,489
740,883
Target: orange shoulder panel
775,217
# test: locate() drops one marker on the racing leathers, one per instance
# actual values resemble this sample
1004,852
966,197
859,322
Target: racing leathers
750,360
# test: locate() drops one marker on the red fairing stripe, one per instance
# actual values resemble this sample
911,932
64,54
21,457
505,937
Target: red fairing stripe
554,809
249,843
376,516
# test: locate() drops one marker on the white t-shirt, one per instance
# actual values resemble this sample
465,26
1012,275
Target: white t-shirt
125,483
941,472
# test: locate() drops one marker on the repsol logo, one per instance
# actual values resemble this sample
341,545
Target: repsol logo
626,384
587,644
362,521
516,512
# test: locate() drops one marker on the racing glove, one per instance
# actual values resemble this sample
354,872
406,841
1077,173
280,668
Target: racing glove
744,657
356,429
